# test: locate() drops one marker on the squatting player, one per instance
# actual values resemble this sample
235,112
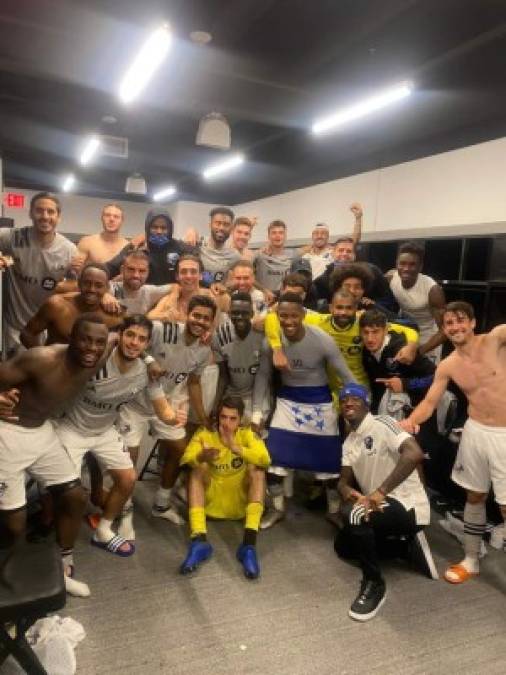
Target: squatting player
227,481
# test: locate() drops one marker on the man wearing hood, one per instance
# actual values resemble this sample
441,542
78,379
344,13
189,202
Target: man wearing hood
162,249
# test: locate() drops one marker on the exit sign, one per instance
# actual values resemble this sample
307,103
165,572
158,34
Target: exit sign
14,200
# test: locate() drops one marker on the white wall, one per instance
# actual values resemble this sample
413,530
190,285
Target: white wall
458,192
81,215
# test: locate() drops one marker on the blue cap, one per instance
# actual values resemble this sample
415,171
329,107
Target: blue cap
357,390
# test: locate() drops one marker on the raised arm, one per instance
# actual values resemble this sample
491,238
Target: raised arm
357,211
425,408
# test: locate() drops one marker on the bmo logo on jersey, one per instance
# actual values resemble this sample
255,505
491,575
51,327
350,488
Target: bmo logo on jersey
180,377
48,283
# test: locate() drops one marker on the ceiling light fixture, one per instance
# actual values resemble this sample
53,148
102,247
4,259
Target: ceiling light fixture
223,167
149,58
68,183
89,150
367,106
164,193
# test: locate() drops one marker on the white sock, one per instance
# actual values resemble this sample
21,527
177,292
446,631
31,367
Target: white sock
162,497
333,501
126,525
474,526
76,588
104,531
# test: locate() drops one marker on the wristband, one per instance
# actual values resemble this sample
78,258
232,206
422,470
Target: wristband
148,359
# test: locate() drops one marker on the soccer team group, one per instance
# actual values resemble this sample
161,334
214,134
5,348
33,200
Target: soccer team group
245,366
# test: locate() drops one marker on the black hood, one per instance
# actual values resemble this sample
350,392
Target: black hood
158,213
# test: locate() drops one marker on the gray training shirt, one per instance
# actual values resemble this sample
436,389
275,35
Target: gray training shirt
35,272
95,410
241,356
217,262
271,269
308,360
141,301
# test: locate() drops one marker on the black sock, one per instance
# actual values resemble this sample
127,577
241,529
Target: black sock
250,537
200,537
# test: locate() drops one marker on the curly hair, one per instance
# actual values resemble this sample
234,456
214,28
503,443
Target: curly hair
355,270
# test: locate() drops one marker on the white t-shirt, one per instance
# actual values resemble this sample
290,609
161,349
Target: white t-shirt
319,261
372,451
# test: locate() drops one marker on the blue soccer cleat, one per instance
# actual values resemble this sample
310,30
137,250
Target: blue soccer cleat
247,556
198,552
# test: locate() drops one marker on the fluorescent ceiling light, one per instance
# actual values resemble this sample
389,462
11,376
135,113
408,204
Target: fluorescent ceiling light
89,150
68,183
367,106
149,58
223,167
164,193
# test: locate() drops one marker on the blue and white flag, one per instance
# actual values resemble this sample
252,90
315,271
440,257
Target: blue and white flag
303,432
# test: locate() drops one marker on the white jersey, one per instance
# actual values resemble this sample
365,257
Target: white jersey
258,301
241,356
271,269
35,272
415,302
178,359
319,261
96,408
372,451
141,301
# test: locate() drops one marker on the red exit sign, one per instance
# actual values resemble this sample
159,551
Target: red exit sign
14,200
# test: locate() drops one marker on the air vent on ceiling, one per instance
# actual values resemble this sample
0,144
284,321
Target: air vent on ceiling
114,146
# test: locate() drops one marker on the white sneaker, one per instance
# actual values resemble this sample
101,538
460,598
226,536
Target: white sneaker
169,513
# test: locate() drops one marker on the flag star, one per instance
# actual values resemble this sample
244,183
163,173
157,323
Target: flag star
299,421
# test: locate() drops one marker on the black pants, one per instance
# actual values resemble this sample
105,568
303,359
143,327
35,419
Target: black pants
363,540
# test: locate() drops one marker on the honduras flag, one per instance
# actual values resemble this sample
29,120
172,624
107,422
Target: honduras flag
303,432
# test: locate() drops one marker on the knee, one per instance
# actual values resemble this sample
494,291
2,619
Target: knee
124,480
476,497
69,496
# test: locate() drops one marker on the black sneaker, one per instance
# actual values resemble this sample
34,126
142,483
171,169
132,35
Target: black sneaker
369,600
421,556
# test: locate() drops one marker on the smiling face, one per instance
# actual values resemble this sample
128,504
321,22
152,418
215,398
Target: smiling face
221,227
353,409
320,237
45,216
133,341
241,313
409,266
87,345
343,310
134,272
241,234
291,316
354,286
243,278
458,327
188,275
344,251
199,321
93,284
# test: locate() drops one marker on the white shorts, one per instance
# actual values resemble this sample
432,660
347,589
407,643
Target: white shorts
317,475
37,451
481,460
108,447
133,424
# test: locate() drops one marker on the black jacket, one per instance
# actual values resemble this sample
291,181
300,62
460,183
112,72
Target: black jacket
416,378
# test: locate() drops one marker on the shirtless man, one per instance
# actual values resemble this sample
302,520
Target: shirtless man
174,306
105,245
478,367
58,314
36,384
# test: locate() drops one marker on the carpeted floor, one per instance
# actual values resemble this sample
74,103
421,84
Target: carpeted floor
144,618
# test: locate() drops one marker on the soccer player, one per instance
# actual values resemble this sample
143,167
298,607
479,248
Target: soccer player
241,234
419,296
216,257
42,257
36,384
88,426
178,349
303,432
237,347
320,253
227,481
273,262
101,247
134,295
478,367
390,500
242,278
59,312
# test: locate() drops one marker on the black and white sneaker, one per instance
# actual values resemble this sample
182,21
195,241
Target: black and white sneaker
369,600
421,556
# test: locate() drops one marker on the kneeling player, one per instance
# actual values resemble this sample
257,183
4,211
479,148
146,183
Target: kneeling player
227,481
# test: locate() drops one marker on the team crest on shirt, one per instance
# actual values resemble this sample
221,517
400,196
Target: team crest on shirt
368,444
172,258
237,462
48,283
357,340
219,276
180,377
3,486
252,370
